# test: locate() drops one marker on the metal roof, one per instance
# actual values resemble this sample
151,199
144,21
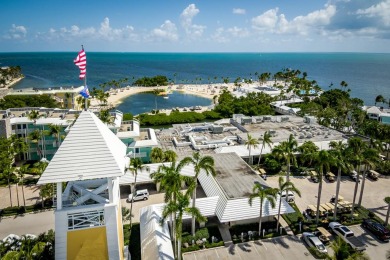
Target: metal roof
89,151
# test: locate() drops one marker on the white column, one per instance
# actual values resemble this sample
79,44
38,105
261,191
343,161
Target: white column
59,195
110,190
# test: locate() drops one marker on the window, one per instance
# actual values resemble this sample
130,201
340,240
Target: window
86,219
137,150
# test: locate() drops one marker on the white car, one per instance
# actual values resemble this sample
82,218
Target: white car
139,195
313,241
290,197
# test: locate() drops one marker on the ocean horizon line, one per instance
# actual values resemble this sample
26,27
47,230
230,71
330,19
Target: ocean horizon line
211,52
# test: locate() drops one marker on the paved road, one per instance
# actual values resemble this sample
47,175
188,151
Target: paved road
27,224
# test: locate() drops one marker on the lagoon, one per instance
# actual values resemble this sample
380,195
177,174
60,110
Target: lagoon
145,102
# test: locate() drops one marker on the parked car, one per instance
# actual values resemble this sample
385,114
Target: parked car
139,195
373,175
330,177
290,197
347,235
377,229
353,176
312,241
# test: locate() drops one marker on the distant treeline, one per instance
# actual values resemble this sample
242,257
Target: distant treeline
153,81
14,101
177,118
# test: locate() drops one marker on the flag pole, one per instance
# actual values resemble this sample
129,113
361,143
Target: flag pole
85,85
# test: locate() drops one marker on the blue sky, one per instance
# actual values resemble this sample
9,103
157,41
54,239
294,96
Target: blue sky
196,26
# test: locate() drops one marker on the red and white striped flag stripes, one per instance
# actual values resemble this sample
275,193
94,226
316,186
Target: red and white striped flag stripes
81,62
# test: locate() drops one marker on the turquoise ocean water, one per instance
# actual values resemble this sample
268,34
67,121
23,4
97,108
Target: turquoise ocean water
367,75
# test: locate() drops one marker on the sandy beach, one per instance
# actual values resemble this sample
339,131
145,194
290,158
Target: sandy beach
203,90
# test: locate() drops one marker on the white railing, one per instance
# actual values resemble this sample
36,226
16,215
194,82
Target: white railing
86,219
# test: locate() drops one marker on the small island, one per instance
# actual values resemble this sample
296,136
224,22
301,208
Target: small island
10,76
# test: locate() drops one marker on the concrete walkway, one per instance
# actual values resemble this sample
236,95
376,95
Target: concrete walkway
286,227
225,233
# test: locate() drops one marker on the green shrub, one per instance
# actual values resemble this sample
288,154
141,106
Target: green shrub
127,116
317,254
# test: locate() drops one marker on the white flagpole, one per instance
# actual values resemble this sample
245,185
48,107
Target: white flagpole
85,85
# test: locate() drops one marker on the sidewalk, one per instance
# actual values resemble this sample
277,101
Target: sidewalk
286,227
225,233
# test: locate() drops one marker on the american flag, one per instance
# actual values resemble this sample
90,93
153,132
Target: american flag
81,62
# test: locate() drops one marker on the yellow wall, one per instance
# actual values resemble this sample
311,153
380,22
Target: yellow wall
88,243
120,231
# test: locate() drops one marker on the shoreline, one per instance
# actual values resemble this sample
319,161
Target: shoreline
202,90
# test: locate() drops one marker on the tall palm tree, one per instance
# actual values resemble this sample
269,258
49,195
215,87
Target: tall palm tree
324,160
171,181
135,166
387,200
157,155
285,186
338,151
21,172
262,193
356,147
35,137
370,158
251,142
285,151
178,208
55,130
200,163
308,152
266,140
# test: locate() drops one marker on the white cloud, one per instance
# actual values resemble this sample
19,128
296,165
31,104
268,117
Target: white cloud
238,32
381,10
167,31
225,35
104,32
220,35
271,21
239,11
186,17
16,32
266,21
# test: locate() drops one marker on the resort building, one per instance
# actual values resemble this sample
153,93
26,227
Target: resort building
226,198
88,218
65,96
380,114
139,141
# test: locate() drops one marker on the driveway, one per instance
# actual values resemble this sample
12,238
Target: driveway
374,192
286,247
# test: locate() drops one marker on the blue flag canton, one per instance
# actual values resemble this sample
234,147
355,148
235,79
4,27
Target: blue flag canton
85,92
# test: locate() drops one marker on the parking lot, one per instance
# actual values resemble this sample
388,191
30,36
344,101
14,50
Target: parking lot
286,247
374,192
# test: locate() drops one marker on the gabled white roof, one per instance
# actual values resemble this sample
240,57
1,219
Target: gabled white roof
374,110
89,151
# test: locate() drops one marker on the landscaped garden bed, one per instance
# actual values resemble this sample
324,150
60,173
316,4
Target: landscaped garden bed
250,232
207,237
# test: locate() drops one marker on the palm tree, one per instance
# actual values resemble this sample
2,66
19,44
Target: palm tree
170,156
356,147
323,160
35,137
285,186
178,208
205,163
309,152
21,172
33,115
338,152
285,151
370,158
157,155
251,142
266,140
262,193
135,166
171,181
105,117
55,130
380,99
387,200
